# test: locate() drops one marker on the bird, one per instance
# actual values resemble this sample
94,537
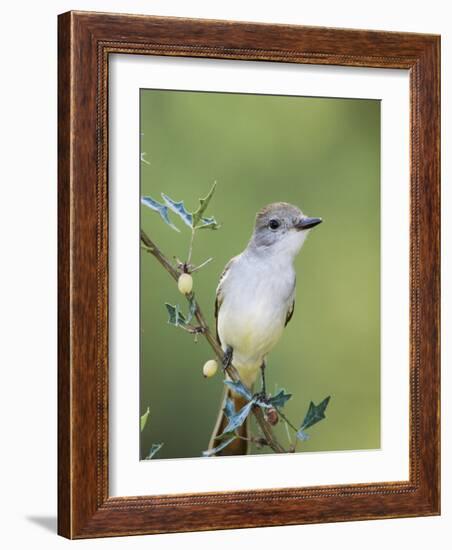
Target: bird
255,300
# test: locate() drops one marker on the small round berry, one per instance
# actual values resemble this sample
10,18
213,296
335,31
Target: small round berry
210,368
185,283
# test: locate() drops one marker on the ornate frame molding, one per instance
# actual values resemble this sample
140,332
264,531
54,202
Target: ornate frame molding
85,42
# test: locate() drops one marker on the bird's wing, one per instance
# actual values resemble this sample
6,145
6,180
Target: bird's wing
291,307
290,313
219,297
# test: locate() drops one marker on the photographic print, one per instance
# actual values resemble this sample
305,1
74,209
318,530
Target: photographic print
259,275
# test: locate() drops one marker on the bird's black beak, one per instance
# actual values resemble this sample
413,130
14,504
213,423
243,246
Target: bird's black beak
307,223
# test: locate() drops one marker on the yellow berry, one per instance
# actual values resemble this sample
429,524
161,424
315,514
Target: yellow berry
210,368
185,283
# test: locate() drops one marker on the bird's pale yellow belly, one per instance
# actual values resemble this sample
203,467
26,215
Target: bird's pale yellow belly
251,332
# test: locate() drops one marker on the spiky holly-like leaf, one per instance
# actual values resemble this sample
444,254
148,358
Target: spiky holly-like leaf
197,217
315,414
220,447
301,435
144,418
208,223
238,387
191,308
155,448
236,419
175,316
229,409
194,220
161,209
179,209
280,399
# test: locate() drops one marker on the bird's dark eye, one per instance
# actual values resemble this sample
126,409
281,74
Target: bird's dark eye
274,224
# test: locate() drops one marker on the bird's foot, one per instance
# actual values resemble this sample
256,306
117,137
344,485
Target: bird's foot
227,358
261,396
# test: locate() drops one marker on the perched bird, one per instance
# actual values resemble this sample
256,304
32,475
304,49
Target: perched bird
255,300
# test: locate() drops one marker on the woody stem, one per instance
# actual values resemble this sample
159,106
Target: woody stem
190,248
153,249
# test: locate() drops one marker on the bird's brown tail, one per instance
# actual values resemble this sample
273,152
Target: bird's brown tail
239,446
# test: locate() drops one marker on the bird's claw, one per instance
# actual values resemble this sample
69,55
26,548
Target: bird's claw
227,359
260,396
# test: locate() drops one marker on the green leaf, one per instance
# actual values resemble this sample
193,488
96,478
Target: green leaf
155,448
315,414
301,435
161,209
220,447
229,409
195,220
208,223
179,209
238,387
191,308
203,204
235,420
280,399
175,316
143,419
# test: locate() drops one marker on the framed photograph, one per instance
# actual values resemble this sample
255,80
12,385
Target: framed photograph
248,275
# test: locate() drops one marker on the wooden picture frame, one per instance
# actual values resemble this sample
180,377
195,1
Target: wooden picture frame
85,42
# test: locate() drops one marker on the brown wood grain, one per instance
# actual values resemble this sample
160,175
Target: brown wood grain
64,295
85,508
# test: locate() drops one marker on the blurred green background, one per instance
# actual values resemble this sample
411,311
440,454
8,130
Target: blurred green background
320,154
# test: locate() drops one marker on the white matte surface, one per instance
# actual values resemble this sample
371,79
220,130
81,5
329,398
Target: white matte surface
128,476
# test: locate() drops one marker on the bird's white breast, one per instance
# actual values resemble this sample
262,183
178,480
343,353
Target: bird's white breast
256,297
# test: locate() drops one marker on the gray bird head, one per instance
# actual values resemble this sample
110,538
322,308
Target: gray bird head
281,228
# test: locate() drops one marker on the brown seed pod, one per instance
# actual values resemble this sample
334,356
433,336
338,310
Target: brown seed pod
271,416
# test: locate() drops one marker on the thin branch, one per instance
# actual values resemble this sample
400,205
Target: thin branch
267,431
153,249
201,265
286,420
288,433
287,423
190,248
